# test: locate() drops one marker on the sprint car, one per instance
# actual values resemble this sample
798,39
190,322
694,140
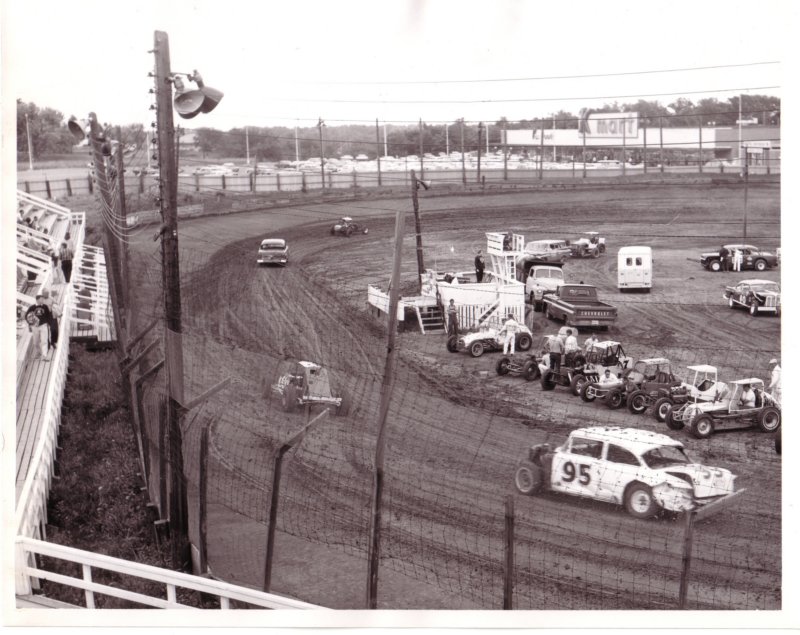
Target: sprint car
346,226
703,418
755,295
704,387
652,375
487,339
642,470
308,384
590,244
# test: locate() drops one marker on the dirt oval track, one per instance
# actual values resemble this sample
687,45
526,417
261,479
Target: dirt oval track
455,433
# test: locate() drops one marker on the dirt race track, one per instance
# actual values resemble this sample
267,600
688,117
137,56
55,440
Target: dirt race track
455,434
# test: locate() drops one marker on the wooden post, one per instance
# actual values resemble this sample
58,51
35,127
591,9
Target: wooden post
508,586
378,150
196,182
505,152
122,239
700,141
417,228
47,187
69,188
480,130
644,152
421,151
320,124
386,393
624,131
203,503
686,560
541,151
661,141
162,459
463,165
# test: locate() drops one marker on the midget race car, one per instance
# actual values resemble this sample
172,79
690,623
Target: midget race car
590,244
642,470
487,339
308,384
652,376
703,418
346,226
755,295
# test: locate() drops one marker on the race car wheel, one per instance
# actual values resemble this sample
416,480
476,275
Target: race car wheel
547,381
530,371
289,398
615,399
343,409
528,478
502,366
588,392
476,349
672,423
637,402
333,231
731,303
661,407
602,248
639,501
715,265
703,427
452,344
769,419
760,265
524,342
366,230
595,253
754,308
577,383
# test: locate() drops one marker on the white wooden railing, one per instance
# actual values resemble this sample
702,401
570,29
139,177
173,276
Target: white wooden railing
27,548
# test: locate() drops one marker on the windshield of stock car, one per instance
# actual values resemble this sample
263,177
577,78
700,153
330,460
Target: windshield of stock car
664,456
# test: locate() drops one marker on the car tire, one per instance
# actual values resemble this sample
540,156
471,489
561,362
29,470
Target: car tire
715,265
639,501
754,308
524,342
637,402
673,424
502,366
595,253
615,399
602,248
702,426
547,382
731,303
333,231
289,398
769,419
343,409
366,230
577,383
452,343
476,349
760,265
528,478
661,408
348,232
530,371
588,393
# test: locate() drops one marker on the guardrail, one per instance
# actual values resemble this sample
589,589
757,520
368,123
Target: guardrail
28,548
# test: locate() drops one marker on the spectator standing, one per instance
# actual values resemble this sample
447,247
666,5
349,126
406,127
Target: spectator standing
57,277
38,317
480,266
590,342
774,387
510,328
53,323
570,346
66,256
508,241
452,319
737,259
724,258
556,350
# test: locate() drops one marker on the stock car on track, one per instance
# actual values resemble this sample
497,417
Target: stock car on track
346,226
704,418
755,295
642,470
273,251
752,258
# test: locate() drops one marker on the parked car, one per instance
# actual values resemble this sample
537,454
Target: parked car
308,383
753,258
755,295
541,281
642,470
487,339
347,226
705,417
543,251
273,251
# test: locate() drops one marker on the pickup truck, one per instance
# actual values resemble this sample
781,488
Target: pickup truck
577,305
542,280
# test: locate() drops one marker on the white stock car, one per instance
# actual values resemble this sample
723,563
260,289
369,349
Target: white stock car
642,470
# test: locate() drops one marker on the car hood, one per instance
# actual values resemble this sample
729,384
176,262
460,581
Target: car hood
550,284
705,481
766,294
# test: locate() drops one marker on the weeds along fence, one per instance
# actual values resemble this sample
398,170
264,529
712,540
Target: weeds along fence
453,442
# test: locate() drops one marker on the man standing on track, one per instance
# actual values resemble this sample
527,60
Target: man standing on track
38,317
480,266
556,349
775,381
510,328
724,257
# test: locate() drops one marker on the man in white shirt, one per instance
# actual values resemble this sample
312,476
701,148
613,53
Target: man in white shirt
608,378
590,342
774,387
748,398
510,328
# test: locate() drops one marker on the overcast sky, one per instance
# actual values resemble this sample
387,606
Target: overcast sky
294,61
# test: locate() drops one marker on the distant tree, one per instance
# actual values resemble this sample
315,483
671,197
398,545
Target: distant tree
48,130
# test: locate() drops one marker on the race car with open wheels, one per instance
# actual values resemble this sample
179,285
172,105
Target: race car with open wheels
727,411
645,471
704,387
602,356
589,245
487,338
527,368
308,383
346,226
569,373
649,374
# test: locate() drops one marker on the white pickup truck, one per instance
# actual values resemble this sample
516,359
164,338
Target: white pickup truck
542,280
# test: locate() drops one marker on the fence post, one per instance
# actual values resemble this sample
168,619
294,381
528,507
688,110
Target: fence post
278,181
28,186
686,560
88,178
141,183
203,503
508,586
223,183
69,188
304,187
196,182
47,187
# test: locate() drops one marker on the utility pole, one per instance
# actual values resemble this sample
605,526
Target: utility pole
173,345
177,150
463,165
386,394
480,130
417,226
378,149
30,145
320,125
421,149
385,142
123,233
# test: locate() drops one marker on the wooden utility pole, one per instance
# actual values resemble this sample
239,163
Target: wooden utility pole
173,346
378,149
480,130
386,394
122,212
417,227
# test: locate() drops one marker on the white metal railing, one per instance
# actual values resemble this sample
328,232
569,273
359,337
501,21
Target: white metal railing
43,203
26,548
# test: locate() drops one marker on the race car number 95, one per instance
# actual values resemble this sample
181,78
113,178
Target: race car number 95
582,473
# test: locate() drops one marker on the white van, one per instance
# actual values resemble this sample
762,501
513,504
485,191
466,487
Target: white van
635,268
